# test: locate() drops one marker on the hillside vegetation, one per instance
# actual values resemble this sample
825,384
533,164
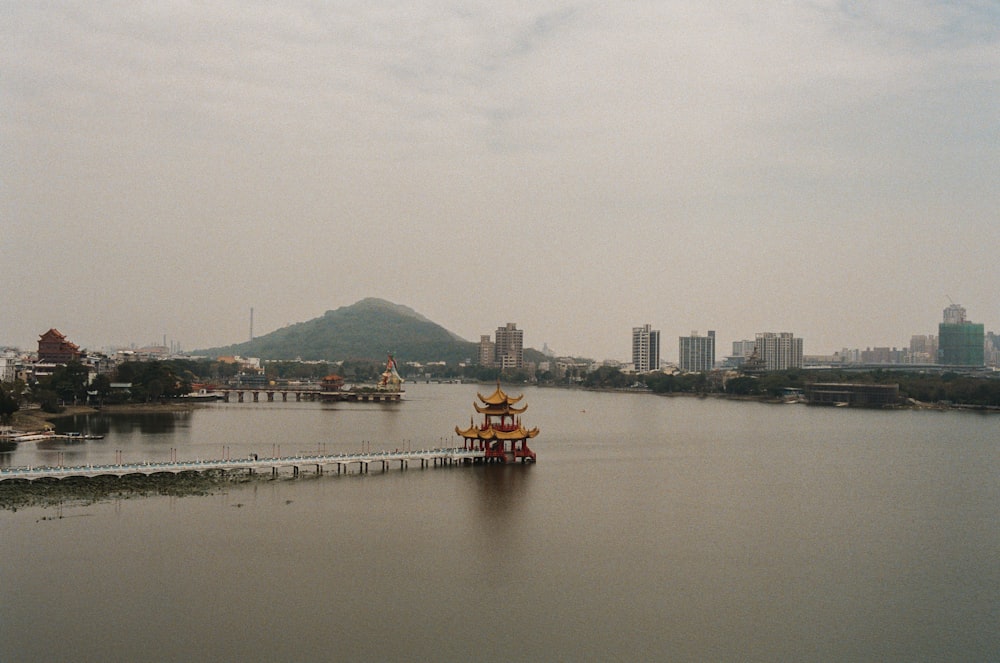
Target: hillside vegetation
367,329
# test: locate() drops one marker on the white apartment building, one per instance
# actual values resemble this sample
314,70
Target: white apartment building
779,351
645,349
697,353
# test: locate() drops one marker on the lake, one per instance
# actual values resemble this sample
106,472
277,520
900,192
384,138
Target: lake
651,528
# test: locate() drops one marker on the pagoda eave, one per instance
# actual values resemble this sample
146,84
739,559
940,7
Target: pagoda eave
498,410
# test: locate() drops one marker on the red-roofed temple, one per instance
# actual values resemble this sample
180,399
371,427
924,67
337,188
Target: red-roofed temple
501,435
54,347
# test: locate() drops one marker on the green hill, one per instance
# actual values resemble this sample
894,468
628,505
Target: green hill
365,330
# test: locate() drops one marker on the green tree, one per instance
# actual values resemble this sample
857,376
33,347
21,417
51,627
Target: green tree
101,385
47,399
744,385
10,402
69,382
607,377
152,380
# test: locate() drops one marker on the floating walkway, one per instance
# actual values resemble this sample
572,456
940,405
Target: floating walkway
252,464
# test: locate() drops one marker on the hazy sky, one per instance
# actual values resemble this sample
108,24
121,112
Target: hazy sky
826,168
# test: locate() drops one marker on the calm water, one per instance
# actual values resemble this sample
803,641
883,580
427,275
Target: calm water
651,529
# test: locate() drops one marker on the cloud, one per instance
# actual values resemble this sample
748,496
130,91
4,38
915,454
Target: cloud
617,157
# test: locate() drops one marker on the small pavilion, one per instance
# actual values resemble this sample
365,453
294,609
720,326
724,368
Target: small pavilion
501,435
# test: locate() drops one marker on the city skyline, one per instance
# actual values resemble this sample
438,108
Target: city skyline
817,167
645,345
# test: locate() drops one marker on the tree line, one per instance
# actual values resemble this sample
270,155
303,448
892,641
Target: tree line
948,387
151,381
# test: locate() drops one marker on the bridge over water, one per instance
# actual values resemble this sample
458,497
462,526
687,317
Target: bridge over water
253,464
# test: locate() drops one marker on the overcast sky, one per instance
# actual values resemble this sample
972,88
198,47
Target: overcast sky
826,168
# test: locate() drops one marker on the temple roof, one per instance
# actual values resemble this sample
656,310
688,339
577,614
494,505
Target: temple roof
499,397
497,404
476,433
498,409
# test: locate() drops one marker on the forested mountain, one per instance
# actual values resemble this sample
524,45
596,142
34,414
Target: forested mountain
365,330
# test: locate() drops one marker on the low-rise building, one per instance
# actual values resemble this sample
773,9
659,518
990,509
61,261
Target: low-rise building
853,394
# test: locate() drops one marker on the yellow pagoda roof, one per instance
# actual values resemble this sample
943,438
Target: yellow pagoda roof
477,433
498,409
499,397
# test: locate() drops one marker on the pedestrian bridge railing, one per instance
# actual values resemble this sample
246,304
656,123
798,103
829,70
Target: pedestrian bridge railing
253,464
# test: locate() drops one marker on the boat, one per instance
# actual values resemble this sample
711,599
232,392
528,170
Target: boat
34,437
202,395
80,436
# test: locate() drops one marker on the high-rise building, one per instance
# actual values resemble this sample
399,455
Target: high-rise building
779,352
954,315
487,351
960,342
645,349
509,347
697,353
923,349
991,351
743,348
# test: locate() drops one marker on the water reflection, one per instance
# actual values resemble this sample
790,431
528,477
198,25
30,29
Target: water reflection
144,423
502,489
501,505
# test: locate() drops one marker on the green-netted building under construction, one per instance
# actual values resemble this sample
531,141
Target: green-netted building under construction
961,344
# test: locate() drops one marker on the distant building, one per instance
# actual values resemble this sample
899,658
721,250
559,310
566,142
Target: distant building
743,348
992,350
850,356
954,315
487,351
860,395
960,342
821,361
697,353
923,349
883,356
778,351
8,366
741,351
645,349
509,347
54,348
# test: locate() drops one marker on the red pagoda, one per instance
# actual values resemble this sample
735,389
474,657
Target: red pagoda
54,347
501,435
